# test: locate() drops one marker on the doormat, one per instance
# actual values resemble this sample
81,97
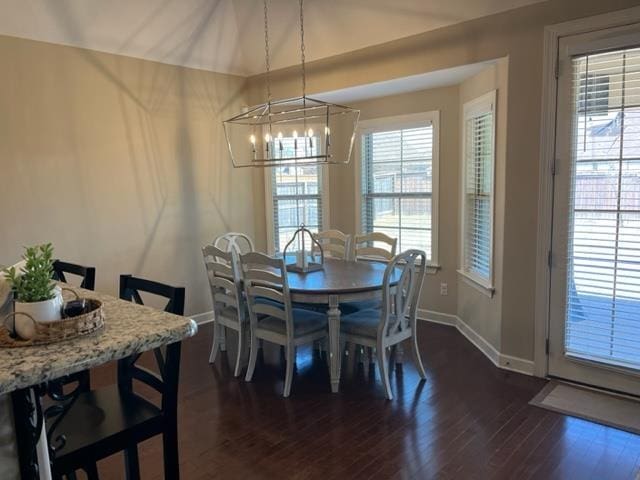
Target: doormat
593,405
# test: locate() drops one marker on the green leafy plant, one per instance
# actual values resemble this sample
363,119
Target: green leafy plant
33,282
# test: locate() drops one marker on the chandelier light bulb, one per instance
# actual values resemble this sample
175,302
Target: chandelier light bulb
267,139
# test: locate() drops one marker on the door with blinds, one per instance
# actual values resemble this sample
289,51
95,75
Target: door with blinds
594,322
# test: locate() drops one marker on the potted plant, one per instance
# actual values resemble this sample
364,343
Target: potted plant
36,294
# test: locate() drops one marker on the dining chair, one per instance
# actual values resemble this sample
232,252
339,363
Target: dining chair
104,421
396,320
374,246
239,243
234,242
87,281
272,316
229,305
335,244
87,274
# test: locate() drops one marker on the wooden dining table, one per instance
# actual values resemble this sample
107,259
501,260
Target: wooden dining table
25,372
338,282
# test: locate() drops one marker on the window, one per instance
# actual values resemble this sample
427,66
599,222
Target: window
477,190
399,180
294,196
593,93
603,257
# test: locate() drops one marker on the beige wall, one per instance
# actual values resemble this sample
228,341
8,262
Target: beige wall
343,182
120,162
518,35
481,312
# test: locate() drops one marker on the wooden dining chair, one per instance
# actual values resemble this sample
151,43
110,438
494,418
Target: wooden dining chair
272,316
240,243
116,418
395,321
229,305
335,244
87,281
374,246
87,274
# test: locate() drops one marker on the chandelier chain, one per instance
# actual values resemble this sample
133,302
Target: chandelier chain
302,50
266,50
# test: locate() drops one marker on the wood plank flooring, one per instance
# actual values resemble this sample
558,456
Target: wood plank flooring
469,420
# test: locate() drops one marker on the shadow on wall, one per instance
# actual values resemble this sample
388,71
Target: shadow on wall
136,156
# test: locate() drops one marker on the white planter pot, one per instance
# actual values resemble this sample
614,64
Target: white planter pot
46,311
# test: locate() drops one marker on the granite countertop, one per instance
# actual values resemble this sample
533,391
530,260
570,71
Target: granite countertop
129,328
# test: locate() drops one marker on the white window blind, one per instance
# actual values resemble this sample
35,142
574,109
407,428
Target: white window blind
603,288
398,184
296,192
477,201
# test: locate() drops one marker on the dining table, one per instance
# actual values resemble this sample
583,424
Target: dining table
26,372
338,282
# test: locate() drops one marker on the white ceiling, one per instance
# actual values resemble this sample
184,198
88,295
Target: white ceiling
228,35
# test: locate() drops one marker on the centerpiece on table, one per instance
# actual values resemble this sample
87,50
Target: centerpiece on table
40,314
309,256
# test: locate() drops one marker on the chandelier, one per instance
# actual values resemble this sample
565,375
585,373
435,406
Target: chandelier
296,131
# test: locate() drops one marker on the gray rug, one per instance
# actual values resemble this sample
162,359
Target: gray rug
594,405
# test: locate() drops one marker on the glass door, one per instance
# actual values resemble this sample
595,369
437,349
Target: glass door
595,278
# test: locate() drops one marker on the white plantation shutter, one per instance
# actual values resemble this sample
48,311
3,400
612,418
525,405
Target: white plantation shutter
297,198
477,201
603,288
397,183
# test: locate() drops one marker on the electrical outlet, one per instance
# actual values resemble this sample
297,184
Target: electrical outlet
444,289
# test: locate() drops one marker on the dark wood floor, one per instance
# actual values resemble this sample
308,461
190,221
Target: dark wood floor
469,420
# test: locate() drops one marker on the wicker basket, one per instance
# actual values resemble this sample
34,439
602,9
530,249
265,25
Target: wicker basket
51,332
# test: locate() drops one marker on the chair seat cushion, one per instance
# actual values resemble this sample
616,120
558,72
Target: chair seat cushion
348,308
101,421
363,323
304,322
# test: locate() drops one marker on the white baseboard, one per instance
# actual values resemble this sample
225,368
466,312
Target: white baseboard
506,362
203,318
500,360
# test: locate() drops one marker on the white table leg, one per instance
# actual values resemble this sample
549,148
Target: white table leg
43,455
334,342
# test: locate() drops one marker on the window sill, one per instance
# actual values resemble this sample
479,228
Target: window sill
484,288
432,269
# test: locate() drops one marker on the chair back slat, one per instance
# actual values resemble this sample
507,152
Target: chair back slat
335,244
374,246
239,243
149,378
224,280
265,278
260,261
222,269
235,243
167,359
227,300
130,288
88,274
403,279
266,292
270,310
225,284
